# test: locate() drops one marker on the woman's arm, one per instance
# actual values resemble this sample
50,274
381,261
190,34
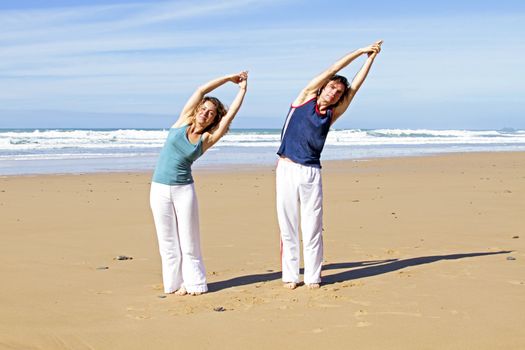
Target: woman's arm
355,85
316,83
211,138
199,94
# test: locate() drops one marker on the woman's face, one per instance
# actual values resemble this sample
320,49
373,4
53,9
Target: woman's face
206,114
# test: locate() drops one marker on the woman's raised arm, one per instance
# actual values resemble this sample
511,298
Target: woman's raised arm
199,94
215,135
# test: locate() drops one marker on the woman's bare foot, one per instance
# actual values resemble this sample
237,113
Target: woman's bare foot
181,291
290,285
313,286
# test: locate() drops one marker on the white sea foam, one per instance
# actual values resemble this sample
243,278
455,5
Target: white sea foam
80,139
64,156
113,140
138,149
392,137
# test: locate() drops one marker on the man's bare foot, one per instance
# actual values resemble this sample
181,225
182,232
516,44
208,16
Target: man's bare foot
181,291
290,285
195,293
313,286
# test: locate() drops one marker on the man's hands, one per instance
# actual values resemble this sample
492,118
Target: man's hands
373,49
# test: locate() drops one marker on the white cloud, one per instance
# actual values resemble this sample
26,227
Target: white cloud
103,53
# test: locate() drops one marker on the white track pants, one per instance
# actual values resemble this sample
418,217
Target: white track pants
300,194
176,215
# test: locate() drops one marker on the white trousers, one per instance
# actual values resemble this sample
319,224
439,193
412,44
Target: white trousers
300,195
176,215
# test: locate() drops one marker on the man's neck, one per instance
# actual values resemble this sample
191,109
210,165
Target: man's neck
322,107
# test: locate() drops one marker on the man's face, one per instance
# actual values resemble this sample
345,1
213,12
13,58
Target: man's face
332,92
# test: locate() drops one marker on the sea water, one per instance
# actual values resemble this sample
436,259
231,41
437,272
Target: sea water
49,151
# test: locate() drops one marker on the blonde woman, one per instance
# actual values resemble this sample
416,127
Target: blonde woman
202,122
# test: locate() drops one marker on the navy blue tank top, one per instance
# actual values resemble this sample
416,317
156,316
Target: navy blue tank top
304,134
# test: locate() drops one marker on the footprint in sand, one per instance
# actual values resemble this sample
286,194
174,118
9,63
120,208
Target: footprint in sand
399,313
406,273
517,283
138,317
104,292
157,287
392,252
246,302
136,313
353,284
361,303
328,305
360,313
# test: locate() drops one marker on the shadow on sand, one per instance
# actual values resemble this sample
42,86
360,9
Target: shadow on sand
355,270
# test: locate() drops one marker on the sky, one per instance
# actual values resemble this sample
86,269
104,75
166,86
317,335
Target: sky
134,63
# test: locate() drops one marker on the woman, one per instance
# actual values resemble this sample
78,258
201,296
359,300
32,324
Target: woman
203,121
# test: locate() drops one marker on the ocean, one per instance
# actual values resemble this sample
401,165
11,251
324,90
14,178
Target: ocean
53,151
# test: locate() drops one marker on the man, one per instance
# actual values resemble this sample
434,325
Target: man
298,174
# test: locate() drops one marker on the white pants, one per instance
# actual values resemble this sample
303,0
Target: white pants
300,194
176,215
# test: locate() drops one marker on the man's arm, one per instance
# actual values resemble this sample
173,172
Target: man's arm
354,86
320,80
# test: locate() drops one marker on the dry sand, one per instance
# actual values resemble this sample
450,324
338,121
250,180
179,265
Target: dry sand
420,253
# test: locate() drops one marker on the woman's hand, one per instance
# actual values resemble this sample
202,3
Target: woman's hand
239,77
243,83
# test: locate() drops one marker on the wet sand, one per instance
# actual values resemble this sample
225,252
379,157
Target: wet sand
420,253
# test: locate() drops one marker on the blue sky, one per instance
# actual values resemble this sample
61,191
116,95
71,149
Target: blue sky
133,63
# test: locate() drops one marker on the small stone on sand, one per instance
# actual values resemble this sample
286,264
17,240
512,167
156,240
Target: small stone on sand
122,257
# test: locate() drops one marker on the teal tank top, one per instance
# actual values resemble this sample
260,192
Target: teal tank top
176,158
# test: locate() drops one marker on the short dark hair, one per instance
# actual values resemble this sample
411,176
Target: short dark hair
339,79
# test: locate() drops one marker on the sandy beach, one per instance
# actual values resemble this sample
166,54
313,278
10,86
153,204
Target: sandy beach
420,253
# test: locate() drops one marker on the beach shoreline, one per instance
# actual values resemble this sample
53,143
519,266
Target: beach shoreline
46,151
421,252
248,166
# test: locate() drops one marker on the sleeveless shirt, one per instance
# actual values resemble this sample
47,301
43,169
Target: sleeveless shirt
176,157
304,134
